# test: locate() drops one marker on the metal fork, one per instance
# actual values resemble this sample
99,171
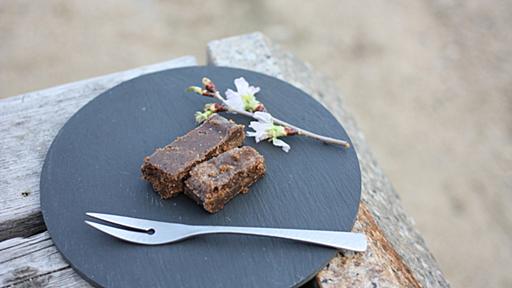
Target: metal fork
149,232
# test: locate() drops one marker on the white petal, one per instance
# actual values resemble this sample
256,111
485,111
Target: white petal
234,100
253,90
235,104
281,144
263,117
230,94
260,131
259,126
242,86
252,134
257,136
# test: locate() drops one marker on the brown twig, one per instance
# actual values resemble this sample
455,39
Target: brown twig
214,93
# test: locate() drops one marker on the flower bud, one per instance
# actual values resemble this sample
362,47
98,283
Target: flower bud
214,107
202,116
276,131
290,131
209,85
195,89
260,107
218,107
199,91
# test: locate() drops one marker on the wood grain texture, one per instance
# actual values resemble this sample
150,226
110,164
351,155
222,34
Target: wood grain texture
28,124
256,52
35,262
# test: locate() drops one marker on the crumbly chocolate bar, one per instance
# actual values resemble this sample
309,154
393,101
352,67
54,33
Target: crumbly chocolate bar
214,182
167,167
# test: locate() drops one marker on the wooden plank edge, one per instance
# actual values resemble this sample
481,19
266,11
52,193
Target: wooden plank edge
26,219
138,71
35,262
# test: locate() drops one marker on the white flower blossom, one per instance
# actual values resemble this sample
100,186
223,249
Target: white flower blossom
265,129
243,98
261,127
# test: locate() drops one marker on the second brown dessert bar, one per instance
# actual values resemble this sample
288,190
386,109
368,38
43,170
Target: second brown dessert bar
214,182
167,167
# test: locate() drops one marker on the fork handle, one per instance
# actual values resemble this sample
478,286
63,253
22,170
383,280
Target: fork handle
340,240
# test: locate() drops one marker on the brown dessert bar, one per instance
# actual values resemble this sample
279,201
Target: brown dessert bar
167,167
214,182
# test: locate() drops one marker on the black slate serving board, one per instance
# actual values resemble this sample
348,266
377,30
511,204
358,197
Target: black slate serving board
94,163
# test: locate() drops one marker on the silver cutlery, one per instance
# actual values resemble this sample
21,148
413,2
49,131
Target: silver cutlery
149,232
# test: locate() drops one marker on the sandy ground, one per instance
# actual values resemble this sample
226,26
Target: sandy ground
429,82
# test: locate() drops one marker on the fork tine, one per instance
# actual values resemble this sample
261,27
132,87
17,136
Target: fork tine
134,223
126,235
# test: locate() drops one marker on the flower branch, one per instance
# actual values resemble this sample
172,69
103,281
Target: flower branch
244,102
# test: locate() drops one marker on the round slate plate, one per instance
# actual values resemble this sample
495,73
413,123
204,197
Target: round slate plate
94,164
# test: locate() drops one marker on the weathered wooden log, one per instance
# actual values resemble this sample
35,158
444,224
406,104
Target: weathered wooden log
397,255
399,246
28,124
35,262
